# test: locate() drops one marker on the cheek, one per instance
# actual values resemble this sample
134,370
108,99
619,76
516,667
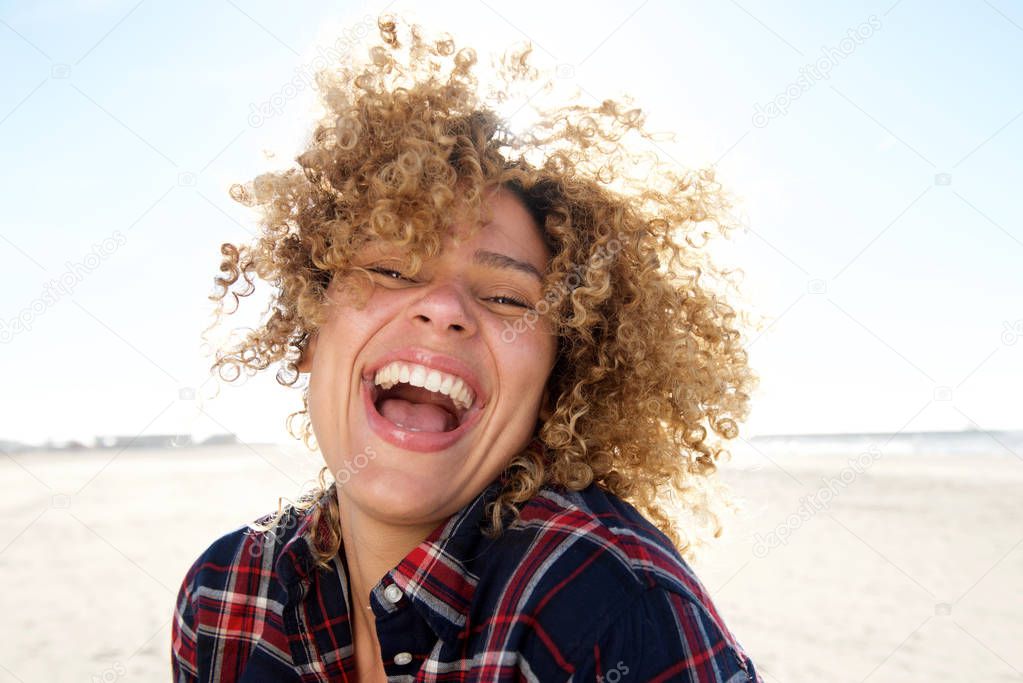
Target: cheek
334,376
352,328
524,356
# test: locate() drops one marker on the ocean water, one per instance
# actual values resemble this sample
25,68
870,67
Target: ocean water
971,442
744,451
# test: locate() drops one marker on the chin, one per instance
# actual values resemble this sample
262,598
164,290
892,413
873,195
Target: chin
401,496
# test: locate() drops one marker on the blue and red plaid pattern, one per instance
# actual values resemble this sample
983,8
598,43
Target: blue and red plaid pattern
583,588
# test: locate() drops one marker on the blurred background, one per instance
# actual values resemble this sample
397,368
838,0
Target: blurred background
875,151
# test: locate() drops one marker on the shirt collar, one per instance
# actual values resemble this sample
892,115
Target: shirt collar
296,560
436,576
440,575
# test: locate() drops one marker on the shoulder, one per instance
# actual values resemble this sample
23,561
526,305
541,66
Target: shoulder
247,550
590,551
601,539
231,587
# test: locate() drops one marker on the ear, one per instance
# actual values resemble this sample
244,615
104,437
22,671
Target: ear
305,363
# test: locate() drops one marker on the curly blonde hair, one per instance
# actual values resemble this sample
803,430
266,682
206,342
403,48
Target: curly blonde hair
650,360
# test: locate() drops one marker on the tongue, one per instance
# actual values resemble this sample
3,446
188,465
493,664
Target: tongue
417,417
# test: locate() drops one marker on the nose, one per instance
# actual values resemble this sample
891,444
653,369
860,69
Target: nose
443,309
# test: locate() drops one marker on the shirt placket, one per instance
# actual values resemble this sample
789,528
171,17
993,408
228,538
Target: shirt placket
406,639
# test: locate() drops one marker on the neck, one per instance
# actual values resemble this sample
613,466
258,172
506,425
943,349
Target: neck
372,548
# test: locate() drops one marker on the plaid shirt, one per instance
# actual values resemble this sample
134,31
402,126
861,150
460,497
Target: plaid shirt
583,588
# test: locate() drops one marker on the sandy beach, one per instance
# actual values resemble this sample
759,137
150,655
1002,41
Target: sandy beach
901,568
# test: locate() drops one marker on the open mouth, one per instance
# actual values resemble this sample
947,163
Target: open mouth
410,398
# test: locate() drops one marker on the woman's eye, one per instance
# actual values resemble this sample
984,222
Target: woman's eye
389,273
509,300
502,300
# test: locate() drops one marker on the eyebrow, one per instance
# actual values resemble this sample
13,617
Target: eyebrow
494,260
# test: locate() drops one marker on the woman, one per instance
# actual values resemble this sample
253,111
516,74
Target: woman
507,363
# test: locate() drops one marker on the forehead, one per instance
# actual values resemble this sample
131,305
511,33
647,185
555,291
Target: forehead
504,224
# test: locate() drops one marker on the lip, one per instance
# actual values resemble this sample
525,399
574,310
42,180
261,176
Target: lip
422,442
435,361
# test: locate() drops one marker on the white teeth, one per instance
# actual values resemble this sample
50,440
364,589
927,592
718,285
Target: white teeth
432,380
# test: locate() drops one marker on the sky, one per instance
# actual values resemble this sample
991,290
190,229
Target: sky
874,149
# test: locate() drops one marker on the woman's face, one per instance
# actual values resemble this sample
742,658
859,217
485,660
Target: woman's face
408,454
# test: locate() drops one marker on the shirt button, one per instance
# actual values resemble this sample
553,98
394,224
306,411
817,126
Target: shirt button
402,658
393,593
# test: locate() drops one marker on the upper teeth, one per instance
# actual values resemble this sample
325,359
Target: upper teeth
432,380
